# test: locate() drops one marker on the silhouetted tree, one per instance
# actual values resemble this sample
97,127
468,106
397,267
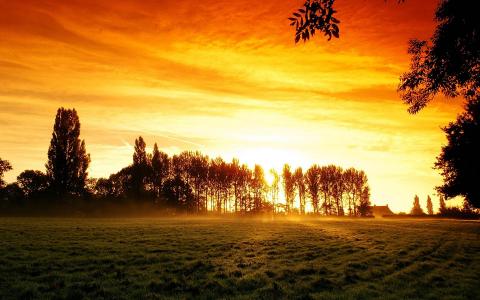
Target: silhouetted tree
32,182
178,193
104,188
241,182
289,187
160,169
275,188
459,160
12,196
118,185
328,176
338,189
5,166
429,205
355,182
450,62
198,170
67,158
364,205
442,206
141,170
258,188
416,209
300,186
315,15
236,183
465,212
312,179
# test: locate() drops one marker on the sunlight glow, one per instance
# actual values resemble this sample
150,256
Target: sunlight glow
190,83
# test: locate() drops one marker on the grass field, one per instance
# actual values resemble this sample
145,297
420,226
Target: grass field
239,258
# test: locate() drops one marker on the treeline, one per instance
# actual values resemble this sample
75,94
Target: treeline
187,182
464,212
194,182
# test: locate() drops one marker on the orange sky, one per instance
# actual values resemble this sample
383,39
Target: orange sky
223,77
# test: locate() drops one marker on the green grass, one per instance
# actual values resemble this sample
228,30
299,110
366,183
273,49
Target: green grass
239,258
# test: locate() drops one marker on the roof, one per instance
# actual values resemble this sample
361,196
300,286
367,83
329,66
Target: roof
381,210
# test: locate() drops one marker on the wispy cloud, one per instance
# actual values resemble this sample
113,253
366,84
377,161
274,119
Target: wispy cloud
223,77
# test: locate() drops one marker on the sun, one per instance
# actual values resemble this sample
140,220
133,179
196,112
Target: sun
272,158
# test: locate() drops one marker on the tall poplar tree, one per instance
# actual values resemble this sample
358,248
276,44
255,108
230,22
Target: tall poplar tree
429,205
67,157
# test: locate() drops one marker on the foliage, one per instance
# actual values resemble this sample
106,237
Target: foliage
275,188
67,158
160,167
289,187
186,182
416,209
32,182
140,170
12,195
312,178
5,166
429,206
364,207
316,15
442,205
459,161
301,188
313,16
465,212
450,62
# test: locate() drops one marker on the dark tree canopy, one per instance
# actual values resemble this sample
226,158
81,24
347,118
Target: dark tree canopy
32,182
67,157
140,169
450,62
459,161
160,167
5,166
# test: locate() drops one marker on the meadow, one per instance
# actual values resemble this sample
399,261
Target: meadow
157,258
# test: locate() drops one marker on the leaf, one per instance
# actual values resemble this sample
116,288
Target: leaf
335,34
297,38
296,14
301,10
292,19
335,20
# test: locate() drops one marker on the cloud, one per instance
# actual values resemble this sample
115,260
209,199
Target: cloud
221,76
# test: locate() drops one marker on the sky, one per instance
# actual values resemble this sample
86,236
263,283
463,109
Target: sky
225,78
